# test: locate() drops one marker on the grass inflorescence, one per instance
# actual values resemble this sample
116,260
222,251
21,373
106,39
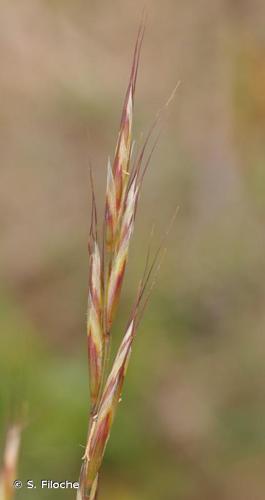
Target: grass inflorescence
108,256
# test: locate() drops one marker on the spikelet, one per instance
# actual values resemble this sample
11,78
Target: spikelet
111,210
118,182
101,426
94,325
8,473
123,148
121,254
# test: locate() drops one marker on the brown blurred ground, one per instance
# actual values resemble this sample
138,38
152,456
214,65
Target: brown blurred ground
193,418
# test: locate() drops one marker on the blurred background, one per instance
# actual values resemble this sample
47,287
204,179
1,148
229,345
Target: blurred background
192,422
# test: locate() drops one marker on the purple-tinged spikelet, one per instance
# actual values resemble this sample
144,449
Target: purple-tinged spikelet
94,325
111,210
118,181
121,254
101,426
